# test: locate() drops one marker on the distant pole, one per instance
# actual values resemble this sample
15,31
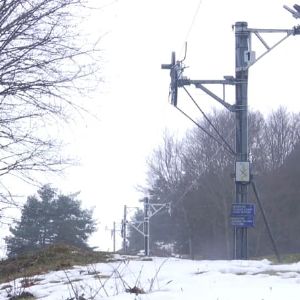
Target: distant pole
146,225
114,237
124,230
243,53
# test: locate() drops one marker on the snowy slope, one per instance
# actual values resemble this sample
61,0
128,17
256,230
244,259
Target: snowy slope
167,279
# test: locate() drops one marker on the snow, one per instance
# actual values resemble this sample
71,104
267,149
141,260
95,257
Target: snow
167,279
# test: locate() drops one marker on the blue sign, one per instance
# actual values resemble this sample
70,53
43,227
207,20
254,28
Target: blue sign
242,221
241,209
242,214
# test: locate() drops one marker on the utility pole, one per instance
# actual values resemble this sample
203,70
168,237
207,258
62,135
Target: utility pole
114,231
114,236
150,210
242,214
124,231
146,225
242,57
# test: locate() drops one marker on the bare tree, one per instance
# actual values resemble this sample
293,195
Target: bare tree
180,170
203,153
165,167
196,178
281,135
44,62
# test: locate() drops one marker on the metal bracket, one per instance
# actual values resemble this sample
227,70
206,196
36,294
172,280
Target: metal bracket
229,80
257,32
136,225
156,208
177,80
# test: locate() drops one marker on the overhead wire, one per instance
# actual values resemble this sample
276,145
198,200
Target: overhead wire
204,130
202,112
221,145
224,142
195,181
193,22
210,123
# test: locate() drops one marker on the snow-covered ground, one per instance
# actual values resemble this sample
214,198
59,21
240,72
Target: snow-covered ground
166,279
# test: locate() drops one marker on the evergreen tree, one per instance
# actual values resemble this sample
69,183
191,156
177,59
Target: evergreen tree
47,219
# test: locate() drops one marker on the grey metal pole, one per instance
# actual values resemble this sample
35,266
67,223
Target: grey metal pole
146,225
124,229
114,237
242,40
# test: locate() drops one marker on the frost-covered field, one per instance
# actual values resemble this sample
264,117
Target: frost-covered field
166,279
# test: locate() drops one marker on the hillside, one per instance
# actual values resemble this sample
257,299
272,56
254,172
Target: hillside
122,278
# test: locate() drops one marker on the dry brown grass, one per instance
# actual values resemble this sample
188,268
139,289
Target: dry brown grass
51,258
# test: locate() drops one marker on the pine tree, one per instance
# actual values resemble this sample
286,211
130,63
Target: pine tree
48,219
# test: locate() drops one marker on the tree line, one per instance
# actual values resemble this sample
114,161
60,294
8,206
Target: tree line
195,174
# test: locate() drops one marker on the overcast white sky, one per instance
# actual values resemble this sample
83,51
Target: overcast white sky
132,103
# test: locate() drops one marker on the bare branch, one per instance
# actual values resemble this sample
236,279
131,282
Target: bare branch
44,63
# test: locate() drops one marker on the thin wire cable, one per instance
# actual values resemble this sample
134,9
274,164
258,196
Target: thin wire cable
193,183
193,22
203,129
209,121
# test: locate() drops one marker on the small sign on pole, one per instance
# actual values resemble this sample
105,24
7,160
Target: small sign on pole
238,209
242,214
242,171
242,221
